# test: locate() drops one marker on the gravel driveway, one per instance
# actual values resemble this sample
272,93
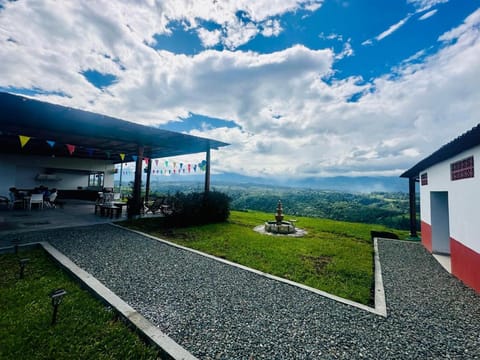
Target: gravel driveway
217,311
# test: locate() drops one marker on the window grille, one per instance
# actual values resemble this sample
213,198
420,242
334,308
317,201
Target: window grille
424,179
462,169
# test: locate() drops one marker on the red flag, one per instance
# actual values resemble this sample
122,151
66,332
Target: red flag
71,148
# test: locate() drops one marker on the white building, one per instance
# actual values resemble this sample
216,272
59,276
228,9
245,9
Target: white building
450,204
31,171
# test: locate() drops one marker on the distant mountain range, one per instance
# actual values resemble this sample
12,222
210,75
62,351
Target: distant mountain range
362,184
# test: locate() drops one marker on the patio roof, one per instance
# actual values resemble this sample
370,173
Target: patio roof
94,136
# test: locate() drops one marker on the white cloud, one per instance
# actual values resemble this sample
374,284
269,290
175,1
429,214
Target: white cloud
313,5
393,28
428,14
468,29
209,38
367,42
346,51
291,121
423,5
271,28
332,36
388,32
261,14
238,33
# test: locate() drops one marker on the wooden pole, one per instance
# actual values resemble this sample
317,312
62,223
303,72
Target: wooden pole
413,207
207,172
147,184
120,182
137,185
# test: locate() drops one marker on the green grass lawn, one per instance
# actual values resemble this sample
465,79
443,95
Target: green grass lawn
85,328
334,256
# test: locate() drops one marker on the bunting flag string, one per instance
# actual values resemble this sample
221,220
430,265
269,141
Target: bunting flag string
72,148
169,167
24,140
160,168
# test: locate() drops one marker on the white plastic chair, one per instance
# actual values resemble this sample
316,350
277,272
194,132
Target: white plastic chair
108,198
51,200
100,198
36,199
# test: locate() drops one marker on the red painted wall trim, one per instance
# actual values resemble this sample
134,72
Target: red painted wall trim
426,235
465,264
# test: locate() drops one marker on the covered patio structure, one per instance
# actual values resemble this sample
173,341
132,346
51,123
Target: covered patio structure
31,130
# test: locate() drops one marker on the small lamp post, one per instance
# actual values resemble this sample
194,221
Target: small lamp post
23,263
56,297
15,243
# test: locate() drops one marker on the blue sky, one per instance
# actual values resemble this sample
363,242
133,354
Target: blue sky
298,87
338,23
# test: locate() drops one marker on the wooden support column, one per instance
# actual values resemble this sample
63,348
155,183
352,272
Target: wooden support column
136,202
207,172
147,184
120,181
413,207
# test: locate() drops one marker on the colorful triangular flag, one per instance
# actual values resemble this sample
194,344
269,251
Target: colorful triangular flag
24,140
71,148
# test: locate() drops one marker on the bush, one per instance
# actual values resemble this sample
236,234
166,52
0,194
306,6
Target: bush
199,208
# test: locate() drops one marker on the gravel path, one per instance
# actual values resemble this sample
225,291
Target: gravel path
217,311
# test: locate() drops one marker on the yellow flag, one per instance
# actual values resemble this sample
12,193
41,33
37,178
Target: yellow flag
23,140
122,156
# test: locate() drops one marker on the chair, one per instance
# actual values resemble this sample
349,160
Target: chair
100,198
155,206
51,199
36,199
4,200
108,198
14,201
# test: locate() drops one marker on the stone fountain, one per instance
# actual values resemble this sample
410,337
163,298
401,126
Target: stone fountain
279,226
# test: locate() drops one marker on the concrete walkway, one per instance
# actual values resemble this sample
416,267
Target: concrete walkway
72,213
216,311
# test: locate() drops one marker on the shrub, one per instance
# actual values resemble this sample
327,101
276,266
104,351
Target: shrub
199,208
